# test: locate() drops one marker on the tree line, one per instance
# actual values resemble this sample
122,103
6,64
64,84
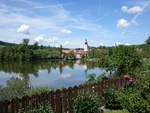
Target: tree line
26,52
121,59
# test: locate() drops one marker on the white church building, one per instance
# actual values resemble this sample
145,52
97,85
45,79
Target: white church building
78,53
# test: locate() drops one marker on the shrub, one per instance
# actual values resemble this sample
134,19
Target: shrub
87,103
134,103
111,99
41,109
37,91
102,77
15,87
91,78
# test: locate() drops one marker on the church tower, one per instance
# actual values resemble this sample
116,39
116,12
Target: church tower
86,47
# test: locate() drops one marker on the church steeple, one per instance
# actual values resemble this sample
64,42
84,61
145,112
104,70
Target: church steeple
86,46
86,41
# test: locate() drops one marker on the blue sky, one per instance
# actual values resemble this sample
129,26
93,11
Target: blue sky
70,22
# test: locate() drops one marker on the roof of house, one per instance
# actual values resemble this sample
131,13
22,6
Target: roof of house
73,50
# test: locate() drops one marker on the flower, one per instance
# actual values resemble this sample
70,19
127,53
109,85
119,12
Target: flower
126,76
131,80
93,87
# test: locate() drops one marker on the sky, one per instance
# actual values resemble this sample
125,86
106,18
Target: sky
70,22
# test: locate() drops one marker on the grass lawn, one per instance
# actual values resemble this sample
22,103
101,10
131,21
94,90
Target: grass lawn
115,111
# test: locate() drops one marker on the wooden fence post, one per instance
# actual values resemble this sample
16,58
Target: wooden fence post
5,105
70,100
13,107
1,107
52,98
58,102
65,100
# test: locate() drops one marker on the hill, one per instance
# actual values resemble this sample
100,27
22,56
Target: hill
6,43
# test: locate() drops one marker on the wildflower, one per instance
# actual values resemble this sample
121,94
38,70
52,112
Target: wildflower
93,87
126,76
131,80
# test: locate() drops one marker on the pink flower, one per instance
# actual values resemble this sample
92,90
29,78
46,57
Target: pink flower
126,76
131,80
93,87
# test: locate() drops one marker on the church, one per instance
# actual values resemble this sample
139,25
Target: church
78,53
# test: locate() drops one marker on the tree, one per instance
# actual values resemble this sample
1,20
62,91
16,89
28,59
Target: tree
15,87
148,41
25,42
70,56
35,45
125,59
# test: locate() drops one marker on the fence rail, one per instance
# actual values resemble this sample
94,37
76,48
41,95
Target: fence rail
60,100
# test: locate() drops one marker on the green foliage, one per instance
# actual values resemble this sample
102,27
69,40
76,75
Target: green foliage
33,91
70,56
144,50
136,98
25,42
15,88
116,111
91,77
87,103
102,77
134,103
143,86
148,41
111,99
41,109
28,53
105,61
125,59
97,52
6,44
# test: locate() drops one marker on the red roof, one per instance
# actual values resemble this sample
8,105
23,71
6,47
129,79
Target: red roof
80,52
73,50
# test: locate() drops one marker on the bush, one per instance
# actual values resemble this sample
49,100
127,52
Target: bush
41,109
37,91
15,87
135,97
134,103
111,99
87,103
102,77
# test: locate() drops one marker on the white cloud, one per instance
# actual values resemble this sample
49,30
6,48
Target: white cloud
117,44
24,29
57,45
101,44
65,75
127,44
124,8
123,23
66,31
132,10
39,38
52,40
66,43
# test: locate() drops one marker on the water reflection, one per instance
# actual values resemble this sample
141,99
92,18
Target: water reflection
53,74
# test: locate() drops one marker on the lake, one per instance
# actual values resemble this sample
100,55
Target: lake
52,74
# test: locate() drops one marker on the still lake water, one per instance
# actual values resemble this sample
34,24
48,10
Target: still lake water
52,74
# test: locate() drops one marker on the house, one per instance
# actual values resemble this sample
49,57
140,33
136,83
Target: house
78,53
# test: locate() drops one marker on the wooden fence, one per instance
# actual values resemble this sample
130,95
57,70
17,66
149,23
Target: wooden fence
60,100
